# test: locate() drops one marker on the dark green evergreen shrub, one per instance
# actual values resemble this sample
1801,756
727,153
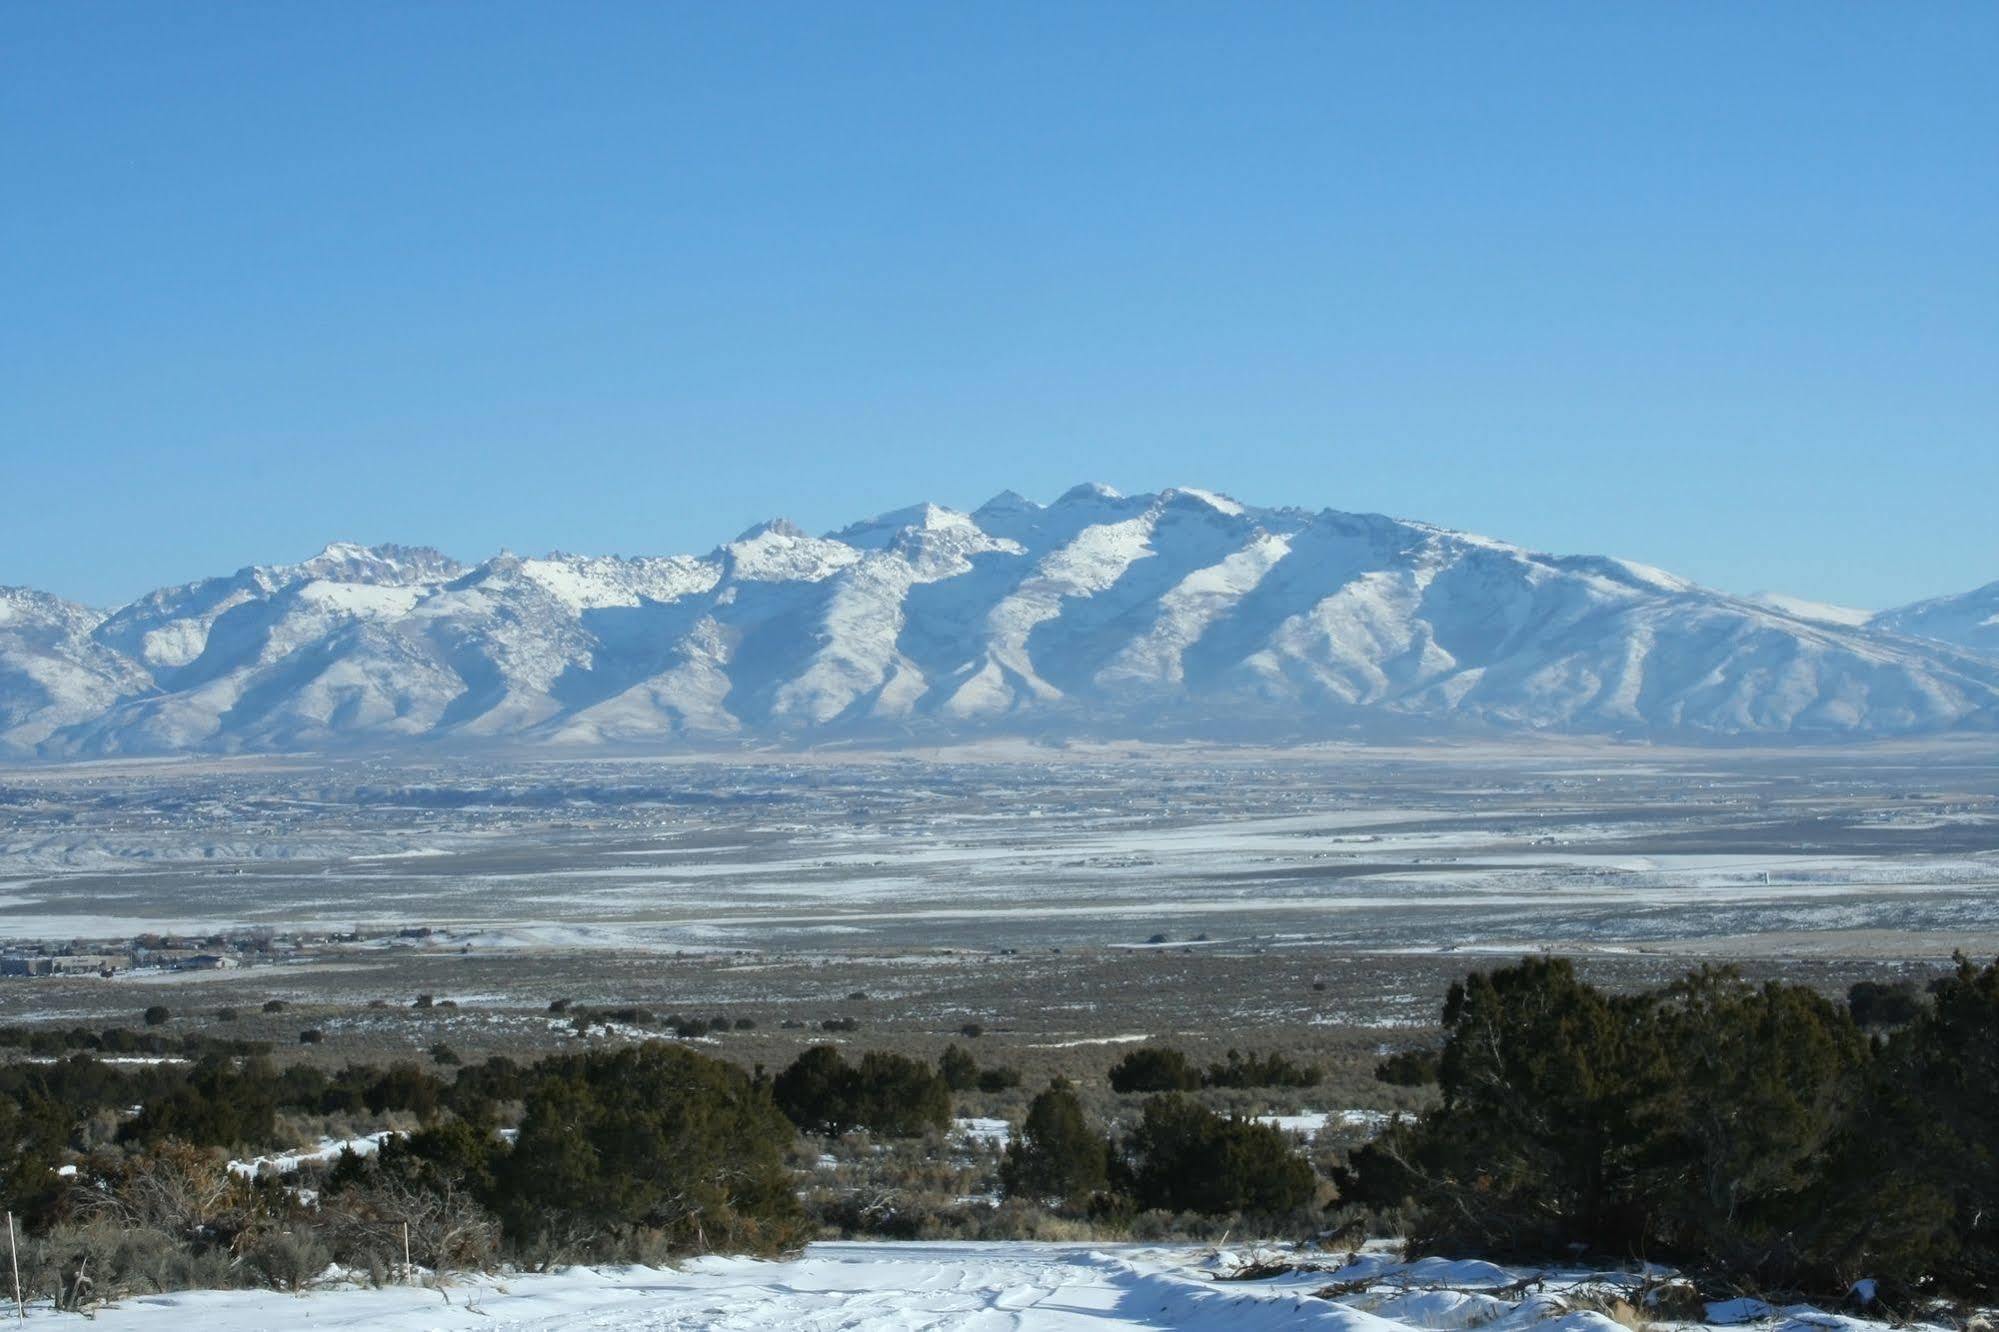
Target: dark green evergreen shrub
1186,1158
1154,1068
886,1093
899,1096
34,1131
959,1070
1916,1192
219,1105
1747,1089
1408,1068
813,1093
1728,1127
1885,1003
1531,1150
478,1087
1271,1070
404,1086
653,1138
998,1079
1056,1154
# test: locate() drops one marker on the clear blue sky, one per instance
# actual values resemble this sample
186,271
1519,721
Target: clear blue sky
1713,286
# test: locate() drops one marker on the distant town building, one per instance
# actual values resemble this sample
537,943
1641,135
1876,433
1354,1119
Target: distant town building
63,964
88,964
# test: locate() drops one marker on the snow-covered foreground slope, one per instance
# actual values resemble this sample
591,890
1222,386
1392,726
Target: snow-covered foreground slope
1181,613
1049,1287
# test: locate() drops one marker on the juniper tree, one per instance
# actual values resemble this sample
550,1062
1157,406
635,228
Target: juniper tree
812,1091
1056,1154
887,1093
34,1130
1747,1089
899,1096
1152,1068
958,1069
655,1138
1187,1158
1920,1175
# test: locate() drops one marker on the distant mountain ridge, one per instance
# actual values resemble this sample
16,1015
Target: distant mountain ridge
1969,619
1177,614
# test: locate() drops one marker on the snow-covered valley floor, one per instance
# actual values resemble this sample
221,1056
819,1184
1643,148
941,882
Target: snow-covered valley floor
956,1285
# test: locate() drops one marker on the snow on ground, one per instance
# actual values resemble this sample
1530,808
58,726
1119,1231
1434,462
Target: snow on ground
329,1149
1311,1123
873,1286
996,1132
130,1061
1555,857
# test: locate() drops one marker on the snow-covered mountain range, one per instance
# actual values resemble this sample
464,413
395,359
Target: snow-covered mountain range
1175,614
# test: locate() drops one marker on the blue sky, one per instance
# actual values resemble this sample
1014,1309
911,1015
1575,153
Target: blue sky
1711,286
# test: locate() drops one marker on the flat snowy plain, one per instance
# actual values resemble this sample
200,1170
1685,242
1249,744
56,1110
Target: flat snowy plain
1587,846
1038,892
977,1287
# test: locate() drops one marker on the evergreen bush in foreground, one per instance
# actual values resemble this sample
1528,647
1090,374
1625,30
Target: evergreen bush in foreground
653,1137
1731,1128
1056,1154
889,1094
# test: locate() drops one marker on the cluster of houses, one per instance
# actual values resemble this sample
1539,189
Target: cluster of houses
215,952
63,964
166,955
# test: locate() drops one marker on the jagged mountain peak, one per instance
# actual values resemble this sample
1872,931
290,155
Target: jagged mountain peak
386,563
883,529
19,605
1181,612
781,550
1089,492
769,527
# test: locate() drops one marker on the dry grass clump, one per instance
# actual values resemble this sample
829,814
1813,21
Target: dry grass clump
1610,1301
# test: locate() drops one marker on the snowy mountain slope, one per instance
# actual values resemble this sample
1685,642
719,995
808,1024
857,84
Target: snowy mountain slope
1970,619
168,629
1819,612
1177,613
53,674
